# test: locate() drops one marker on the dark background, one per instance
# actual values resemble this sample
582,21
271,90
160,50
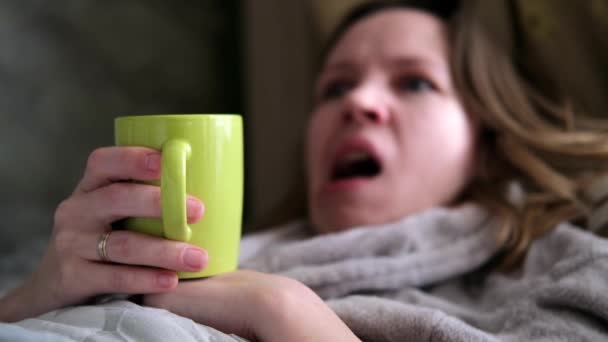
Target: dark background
68,67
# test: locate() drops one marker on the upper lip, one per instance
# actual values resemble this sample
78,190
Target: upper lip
357,144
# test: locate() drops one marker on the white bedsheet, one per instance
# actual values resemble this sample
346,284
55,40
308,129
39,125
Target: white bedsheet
114,321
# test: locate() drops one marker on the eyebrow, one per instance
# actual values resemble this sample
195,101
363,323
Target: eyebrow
399,62
412,62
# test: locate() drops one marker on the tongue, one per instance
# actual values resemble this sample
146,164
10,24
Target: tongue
361,168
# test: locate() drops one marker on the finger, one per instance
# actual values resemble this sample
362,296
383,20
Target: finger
134,248
107,278
109,164
120,200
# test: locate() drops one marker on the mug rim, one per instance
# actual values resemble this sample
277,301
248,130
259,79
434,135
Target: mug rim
179,116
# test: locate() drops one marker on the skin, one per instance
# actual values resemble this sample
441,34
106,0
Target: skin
407,113
387,85
71,272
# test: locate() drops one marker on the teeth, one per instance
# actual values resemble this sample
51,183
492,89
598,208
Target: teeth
354,156
355,164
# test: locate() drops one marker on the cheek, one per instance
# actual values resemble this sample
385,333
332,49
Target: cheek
316,137
457,134
441,139
459,141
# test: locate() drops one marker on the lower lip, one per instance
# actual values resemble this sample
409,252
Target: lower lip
348,184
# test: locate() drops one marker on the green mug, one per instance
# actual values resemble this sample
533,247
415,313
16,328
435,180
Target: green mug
202,155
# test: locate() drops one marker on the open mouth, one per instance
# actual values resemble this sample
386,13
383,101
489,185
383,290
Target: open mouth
356,164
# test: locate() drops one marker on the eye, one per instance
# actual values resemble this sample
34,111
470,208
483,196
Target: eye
335,89
415,84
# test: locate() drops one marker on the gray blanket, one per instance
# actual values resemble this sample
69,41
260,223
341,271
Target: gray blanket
405,281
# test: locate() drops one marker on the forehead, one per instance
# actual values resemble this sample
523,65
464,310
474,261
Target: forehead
393,33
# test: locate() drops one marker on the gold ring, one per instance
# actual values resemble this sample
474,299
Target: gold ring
101,246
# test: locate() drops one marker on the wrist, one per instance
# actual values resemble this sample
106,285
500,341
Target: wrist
295,313
26,300
14,306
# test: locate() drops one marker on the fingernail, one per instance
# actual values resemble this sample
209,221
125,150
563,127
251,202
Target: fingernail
153,161
165,280
194,207
194,258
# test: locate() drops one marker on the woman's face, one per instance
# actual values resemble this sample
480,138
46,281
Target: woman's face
388,135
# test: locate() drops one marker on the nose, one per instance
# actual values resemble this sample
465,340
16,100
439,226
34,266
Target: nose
366,105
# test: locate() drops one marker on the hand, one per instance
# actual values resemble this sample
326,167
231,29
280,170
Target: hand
71,270
256,306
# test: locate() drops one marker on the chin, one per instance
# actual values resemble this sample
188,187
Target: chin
331,219
341,220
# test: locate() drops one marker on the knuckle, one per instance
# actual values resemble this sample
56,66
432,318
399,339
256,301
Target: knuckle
62,213
121,281
169,255
130,159
281,294
156,199
95,160
63,242
120,247
115,192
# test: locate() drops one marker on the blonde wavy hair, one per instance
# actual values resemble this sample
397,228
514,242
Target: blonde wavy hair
529,136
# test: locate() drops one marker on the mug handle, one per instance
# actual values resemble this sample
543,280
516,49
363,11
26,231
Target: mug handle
175,153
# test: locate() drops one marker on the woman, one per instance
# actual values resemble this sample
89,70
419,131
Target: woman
410,114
